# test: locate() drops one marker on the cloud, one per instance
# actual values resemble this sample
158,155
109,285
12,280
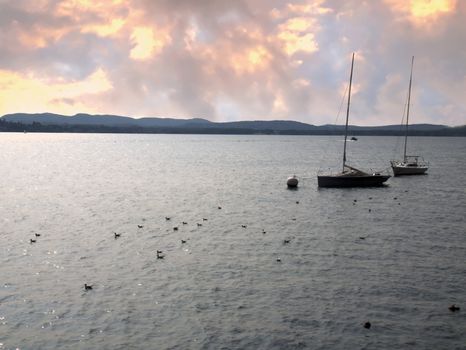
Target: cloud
28,93
148,42
229,60
422,12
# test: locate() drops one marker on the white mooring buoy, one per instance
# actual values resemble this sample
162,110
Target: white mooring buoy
292,181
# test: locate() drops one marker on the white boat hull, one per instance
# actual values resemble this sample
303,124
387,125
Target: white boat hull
401,168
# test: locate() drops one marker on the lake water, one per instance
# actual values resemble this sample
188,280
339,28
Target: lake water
224,288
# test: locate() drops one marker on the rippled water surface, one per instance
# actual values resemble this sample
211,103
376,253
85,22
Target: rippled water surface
224,288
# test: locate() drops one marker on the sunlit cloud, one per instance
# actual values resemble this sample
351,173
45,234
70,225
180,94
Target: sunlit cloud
279,105
37,38
297,35
79,9
314,7
107,29
148,42
27,93
251,60
294,42
423,12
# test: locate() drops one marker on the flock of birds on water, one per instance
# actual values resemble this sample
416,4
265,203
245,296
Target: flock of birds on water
160,254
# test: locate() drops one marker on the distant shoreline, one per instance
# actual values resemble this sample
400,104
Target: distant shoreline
105,124
53,129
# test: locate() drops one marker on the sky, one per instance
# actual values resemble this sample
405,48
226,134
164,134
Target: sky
229,60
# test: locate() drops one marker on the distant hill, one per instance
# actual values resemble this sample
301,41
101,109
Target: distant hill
105,120
49,122
278,125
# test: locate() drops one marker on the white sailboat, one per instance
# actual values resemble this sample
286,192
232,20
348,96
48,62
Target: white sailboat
350,176
410,165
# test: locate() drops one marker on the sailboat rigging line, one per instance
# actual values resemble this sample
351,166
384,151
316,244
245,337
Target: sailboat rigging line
341,105
334,128
400,129
407,111
347,113
405,114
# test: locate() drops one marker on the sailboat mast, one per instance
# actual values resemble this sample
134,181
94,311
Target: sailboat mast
347,113
407,110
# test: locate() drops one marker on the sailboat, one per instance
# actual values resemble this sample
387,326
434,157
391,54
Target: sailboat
350,176
410,165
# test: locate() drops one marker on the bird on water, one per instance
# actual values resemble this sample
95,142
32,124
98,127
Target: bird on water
87,286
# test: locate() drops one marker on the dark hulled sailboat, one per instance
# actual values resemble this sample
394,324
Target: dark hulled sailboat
350,176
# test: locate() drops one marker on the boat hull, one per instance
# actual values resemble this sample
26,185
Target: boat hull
410,167
351,181
408,170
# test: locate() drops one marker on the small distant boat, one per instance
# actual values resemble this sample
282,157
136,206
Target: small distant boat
354,138
410,165
350,176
